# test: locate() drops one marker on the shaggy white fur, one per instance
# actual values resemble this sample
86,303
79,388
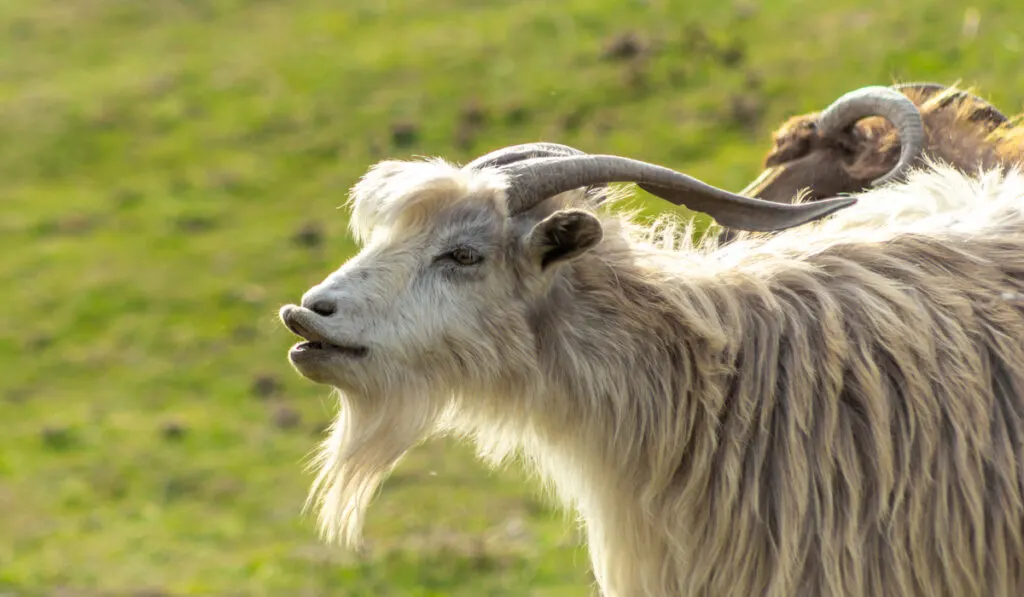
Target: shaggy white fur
834,410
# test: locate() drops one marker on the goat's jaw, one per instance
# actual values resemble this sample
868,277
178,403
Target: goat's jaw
322,366
318,350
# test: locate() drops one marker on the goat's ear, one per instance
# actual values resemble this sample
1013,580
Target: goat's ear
563,235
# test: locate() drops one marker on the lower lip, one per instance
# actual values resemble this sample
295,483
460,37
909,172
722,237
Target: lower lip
318,348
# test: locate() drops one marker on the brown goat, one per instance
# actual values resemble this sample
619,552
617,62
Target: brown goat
960,130
809,162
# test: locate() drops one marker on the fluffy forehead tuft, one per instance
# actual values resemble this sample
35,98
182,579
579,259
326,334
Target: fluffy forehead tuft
396,193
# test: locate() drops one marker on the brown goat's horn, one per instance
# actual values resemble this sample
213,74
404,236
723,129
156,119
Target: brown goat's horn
878,101
534,179
987,112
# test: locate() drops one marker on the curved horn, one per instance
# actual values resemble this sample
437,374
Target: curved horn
499,158
879,101
515,153
535,179
986,112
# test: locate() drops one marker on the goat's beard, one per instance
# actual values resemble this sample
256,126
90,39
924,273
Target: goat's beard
366,441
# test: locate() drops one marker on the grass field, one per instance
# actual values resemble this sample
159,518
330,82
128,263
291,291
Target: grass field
170,172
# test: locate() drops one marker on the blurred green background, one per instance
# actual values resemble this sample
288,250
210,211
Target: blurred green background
170,173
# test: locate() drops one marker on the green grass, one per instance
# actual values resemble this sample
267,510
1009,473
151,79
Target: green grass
170,172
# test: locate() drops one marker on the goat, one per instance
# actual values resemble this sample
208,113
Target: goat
872,135
819,412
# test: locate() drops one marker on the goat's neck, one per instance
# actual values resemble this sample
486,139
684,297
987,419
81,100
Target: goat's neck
639,363
638,372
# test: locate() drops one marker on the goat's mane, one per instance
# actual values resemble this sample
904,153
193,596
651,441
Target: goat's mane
830,358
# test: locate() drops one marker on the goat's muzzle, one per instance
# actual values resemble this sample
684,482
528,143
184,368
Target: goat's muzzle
303,323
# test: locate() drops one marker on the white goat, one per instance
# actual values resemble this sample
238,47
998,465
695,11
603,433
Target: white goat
831,411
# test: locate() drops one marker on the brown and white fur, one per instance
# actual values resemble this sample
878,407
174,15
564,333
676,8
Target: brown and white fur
959,129
805,164
829,411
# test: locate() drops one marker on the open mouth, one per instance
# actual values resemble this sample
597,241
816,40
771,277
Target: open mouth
318,346
316,343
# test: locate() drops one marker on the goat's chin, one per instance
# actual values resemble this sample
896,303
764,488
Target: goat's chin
321,370
366,440
347,375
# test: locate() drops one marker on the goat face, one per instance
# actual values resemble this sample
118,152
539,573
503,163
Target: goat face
440,293
803,159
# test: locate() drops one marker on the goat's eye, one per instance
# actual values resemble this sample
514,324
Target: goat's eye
464,256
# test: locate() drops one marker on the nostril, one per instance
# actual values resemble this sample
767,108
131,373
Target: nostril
323,308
